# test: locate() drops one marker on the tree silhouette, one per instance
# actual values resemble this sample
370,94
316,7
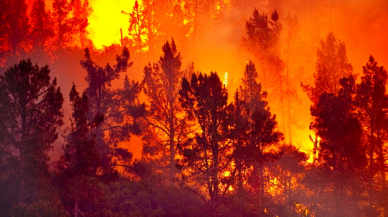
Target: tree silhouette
137,29
65,25
262,43
42,28
342,154
81,12
262,40
30,117
332,65
16,26
79,165
261,131
162,83
208,157
372,101
103,99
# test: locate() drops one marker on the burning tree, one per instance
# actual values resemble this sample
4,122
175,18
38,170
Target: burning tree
372,102
208,157
342,155
120,107
162,83
262,131
42,28
332,65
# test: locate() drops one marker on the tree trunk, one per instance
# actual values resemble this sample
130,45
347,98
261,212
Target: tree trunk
172,151
371,168
261,193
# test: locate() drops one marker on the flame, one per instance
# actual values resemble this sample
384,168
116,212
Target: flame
226,79
106,21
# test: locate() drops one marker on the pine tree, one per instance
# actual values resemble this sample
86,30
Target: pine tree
261,132
16,26
81,12
42,27
342,154
137,29
103,99
79,166
30,117
331,66
208,157
162,83
372,102
65,25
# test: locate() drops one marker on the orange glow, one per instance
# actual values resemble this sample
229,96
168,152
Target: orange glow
226,79
106,21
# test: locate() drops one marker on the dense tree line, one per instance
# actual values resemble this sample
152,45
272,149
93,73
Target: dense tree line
204,154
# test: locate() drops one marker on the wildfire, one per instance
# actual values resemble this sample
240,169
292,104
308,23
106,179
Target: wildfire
226,79
106,21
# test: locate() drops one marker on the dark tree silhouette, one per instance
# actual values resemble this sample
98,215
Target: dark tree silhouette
342,154
117,106
209,156
262,43
30,117
79,165
332,65
252,129
262,34
162,83
372,102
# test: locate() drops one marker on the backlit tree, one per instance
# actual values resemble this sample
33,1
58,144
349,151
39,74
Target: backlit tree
30,117
162,82
208,156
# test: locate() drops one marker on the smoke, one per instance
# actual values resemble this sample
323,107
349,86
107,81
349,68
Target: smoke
360,24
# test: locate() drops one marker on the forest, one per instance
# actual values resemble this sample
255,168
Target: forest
193,108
